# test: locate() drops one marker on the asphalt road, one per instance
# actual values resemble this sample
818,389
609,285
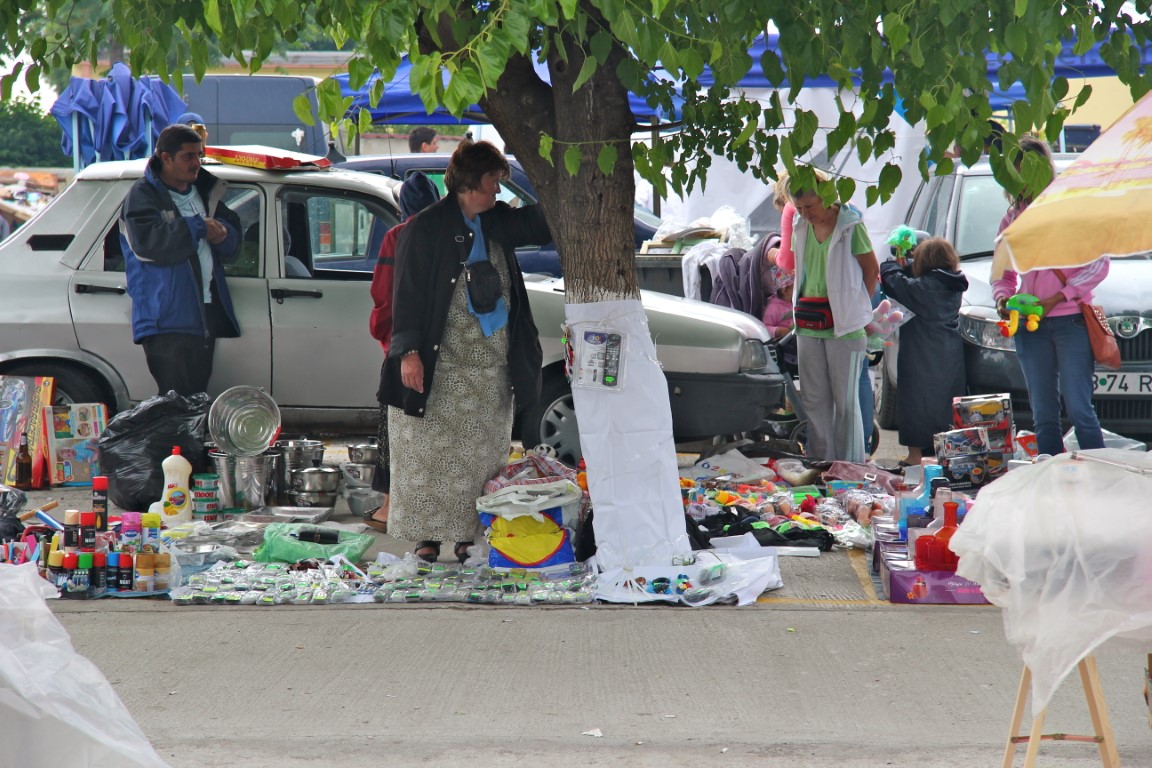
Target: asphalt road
822,673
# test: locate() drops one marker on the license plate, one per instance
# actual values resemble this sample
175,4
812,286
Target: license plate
1123,384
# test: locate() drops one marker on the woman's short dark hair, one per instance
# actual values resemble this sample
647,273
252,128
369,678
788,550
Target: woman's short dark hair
470,163
934,253
174,137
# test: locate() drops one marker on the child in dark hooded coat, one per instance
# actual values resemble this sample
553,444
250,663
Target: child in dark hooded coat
930,363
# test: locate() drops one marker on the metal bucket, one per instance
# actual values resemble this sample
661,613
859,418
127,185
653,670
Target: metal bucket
247,482
295,454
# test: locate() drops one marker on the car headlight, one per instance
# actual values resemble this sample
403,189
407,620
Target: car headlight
978,326
753,356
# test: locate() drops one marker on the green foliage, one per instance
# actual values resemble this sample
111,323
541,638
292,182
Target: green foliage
934,51
31,138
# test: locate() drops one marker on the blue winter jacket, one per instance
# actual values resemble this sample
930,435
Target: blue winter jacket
161,262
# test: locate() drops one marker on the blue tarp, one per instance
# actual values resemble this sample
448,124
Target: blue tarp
114,118
399,105
1067,65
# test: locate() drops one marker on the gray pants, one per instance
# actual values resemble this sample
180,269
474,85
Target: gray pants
830,388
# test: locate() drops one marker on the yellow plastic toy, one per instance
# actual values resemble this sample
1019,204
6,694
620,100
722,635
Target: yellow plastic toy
1022,304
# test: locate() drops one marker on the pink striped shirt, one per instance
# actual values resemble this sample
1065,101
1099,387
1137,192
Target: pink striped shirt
1043,283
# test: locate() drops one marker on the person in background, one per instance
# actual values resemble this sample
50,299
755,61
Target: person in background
778,307
931,286
785,259
195,122
836,269
416,193
1056,358
174,254
461,351
422,140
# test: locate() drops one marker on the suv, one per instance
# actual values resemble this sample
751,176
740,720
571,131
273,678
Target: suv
966,208
516,190
64,311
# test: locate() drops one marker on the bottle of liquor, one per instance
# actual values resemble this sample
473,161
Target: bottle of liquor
23,465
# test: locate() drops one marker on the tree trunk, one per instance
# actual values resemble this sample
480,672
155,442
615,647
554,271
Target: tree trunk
590,214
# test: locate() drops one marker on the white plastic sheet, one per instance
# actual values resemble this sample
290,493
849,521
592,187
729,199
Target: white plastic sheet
1064,547
56,707
626,437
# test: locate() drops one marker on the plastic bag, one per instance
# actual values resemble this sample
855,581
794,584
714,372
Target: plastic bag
280,545
1064,547
137,440
57,708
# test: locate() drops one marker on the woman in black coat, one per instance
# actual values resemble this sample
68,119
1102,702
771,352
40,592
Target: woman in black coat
930,365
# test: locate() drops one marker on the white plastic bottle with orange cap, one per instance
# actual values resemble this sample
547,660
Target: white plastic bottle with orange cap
177,500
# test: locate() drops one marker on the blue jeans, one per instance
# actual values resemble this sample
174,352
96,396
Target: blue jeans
1057,360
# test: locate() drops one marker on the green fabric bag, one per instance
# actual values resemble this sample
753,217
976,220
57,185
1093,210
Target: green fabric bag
281,546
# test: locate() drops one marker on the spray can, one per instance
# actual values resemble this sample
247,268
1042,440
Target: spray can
100,501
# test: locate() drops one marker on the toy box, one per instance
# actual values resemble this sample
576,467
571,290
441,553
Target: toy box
958,442
22,401
901,582
967,471
992,411
72,432
1003,440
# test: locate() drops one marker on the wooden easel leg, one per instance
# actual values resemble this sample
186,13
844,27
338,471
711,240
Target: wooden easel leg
1017,716
1034,739
1098,710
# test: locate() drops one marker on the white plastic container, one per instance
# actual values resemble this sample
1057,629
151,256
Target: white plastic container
177,499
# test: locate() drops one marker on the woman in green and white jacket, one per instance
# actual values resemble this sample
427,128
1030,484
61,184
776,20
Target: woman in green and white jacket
834,261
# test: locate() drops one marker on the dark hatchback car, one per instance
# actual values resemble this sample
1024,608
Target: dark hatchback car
966,208
517,190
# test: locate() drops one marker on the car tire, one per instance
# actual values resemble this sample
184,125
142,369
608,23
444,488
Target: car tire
799,437
886,408
552,420
72,383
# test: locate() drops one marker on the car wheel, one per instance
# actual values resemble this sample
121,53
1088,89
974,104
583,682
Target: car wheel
799,437
886,408
552,420
72,384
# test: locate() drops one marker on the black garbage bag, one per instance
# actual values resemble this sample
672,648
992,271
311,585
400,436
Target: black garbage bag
136,441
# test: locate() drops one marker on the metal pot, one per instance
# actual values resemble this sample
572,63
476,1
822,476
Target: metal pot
313,499
365,453
316,479
358,475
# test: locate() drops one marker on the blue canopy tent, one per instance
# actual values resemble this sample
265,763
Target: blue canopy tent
1068,64
399,105
114,118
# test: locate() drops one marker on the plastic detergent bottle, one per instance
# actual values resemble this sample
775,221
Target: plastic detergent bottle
920,498
177,499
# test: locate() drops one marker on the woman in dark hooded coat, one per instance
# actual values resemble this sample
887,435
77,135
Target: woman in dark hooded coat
930,365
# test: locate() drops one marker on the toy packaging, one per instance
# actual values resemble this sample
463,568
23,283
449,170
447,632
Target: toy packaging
958,442
991,411
72,431
22,401
966,471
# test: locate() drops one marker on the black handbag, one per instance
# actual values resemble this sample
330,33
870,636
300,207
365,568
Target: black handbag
813,314
484,288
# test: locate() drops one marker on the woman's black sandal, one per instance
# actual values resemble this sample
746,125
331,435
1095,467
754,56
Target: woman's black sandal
461,550
428,557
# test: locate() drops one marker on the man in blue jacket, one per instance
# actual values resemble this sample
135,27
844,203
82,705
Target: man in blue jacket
176,236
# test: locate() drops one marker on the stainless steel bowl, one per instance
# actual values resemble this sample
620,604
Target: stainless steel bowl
358,475
316,479
363,454
313,499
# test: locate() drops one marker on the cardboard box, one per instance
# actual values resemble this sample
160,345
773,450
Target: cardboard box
957,442
997,463
22,401
966,472
992,411
72,432
256,156
903,583
1001,440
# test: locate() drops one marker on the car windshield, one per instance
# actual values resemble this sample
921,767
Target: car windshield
982,205
647,216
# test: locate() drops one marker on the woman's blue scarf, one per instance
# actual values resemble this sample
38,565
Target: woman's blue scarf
490,322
